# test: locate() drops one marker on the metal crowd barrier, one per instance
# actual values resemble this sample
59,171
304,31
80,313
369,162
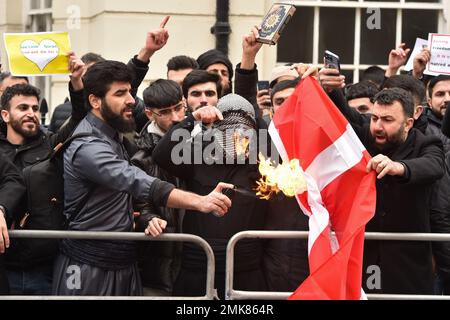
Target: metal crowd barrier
211,292
231,294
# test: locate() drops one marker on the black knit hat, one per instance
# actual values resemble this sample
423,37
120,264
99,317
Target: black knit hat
215,56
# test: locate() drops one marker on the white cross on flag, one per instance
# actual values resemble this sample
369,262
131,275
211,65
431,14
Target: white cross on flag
341,195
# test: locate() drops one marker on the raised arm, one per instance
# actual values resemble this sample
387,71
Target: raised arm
154,41
247,72
79,111
397,58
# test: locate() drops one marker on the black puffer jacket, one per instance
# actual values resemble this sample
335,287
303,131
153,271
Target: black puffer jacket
158,261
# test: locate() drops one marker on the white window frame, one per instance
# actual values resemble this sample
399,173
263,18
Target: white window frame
32,27
359,5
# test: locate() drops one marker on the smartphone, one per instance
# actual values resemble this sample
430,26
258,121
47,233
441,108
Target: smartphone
263,85
332,60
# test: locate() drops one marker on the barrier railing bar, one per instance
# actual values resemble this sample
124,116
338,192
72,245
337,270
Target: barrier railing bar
231,294
259,295
211,292
99,298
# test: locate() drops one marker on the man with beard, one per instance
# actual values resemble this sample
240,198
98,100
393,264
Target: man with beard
407,163
200,89
439,97
217,62
100,184
24,142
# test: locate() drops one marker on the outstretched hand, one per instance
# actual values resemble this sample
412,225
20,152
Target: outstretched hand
216,202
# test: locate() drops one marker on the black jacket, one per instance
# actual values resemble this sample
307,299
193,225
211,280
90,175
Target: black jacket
12,187
60,115
246,86
32,151
446,122
11,191
158,261
435,128
246,213
403,205
440,223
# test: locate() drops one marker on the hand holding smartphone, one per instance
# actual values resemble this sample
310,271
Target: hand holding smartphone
263,96
332,61
263,85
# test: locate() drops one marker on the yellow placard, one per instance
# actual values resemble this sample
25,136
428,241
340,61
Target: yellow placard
38,54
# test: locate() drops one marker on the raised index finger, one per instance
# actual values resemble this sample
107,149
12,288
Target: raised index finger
164,22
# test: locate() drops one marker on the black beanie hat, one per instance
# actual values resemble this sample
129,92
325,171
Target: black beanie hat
215,56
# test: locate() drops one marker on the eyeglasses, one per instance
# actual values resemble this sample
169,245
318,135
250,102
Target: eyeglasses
168,112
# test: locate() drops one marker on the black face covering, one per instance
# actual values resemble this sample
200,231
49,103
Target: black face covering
234,134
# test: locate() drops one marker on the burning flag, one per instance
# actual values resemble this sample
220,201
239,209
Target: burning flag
287,178
340,197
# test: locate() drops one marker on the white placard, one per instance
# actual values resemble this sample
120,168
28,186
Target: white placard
439,45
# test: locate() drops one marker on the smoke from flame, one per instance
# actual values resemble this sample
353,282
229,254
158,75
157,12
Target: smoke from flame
287,178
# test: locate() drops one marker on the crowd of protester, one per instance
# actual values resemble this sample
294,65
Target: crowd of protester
121,174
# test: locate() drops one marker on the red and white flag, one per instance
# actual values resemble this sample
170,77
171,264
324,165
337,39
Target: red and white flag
341,195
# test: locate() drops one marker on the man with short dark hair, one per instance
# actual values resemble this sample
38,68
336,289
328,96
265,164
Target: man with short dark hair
359,96
438,99
281,92
24,142
179,67
374,74
201,88
100,184
217,62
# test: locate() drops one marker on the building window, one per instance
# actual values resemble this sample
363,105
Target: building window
40,19
361,32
